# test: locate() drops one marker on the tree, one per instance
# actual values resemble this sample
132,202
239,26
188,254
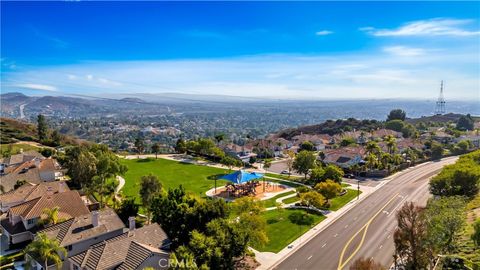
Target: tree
290,158
463,146
307,146
181,146
397,114
391,143
81,165
230,162
45,250
476,232
372,147
409,131
437,151
19,183
334,173
140,145
304,162
396,125
127,209
445,220
107,166
155,149
317,174
329,189
366,264
465,122
347,141
42,129
50,216
150,187
457,179
409,238
372,161
219,138
46,152
312,199
397,159
56,138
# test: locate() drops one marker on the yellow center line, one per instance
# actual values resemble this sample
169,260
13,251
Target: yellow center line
341,264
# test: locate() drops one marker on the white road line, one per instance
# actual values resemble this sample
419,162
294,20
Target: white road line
335,235
388,237
380,247
324,245
309,257
346,226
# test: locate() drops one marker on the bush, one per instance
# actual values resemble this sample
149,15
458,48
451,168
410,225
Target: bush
301,218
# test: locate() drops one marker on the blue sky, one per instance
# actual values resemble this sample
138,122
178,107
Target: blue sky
272,49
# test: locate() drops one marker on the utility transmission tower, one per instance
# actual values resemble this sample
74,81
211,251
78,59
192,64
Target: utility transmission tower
440,107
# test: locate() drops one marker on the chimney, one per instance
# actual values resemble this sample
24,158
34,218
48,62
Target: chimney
95,218
131,223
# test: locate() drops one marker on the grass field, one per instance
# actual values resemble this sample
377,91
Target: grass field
281,231
271,202
291,200
338,202
194,178
283,176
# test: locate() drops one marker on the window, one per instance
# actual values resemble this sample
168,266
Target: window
69,247
32,221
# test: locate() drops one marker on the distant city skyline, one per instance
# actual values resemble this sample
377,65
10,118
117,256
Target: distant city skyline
330,50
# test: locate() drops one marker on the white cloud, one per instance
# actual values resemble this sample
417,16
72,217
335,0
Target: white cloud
404,51
41,87
355,75
323,33
71,77
430,27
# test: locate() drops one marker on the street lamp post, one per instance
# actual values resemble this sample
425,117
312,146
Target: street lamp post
358,189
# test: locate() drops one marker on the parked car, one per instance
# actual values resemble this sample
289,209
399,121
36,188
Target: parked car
350,176
285,172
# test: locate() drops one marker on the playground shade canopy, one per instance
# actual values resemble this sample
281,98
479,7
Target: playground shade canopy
240,177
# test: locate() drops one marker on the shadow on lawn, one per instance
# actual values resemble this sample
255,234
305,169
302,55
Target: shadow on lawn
215,176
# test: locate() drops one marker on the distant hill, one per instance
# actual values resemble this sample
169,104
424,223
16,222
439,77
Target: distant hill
332,127
12,131
443,118
133,100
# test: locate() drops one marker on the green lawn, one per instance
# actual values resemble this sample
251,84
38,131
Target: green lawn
281,231
271,202
338,202
291,200
283,176
194,178
15,148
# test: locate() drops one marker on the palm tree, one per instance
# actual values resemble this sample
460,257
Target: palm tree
385,159
45,250
372,147
50,216
391,143
371,161
397,159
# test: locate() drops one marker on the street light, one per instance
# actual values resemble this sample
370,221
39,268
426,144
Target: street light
358,189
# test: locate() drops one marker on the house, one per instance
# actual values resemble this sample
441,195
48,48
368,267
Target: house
17,159
244,153
33,171
473,137
29,192
77,234
135,249
319,141
344,157
23,219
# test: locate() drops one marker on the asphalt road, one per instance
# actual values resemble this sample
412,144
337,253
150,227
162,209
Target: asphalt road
366,230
